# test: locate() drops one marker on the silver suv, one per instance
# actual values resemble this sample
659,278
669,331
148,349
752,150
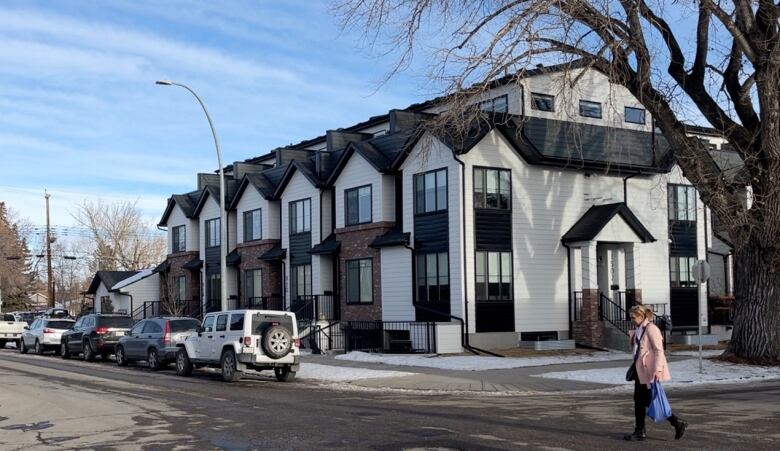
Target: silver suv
237,340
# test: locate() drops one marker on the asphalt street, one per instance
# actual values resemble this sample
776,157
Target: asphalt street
49,403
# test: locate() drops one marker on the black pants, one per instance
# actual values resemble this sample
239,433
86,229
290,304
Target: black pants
642,395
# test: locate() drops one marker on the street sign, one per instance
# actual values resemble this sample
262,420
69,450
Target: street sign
701,271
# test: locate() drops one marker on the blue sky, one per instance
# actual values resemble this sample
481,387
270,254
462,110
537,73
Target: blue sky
82,117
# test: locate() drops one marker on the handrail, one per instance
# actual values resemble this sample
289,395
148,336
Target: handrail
612,312
464,338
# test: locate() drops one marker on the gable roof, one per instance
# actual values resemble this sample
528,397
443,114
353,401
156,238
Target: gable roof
185,201
593,221
259,182
306,169
138,276
109,279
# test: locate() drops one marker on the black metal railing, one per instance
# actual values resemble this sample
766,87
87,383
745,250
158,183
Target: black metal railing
577,306
315,307
389,336
146,310
321,339
613,313
213,305
264,303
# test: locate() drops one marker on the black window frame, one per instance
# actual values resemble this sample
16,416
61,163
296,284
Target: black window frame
590,103
423,292
213,237
307,287
626,109
348,209
349,274
483,204
236,319
675,269
180,287
178,239
248,218
419,180
543,97
223,325
249,283
673,199
214,288
504,293
489,106
292,216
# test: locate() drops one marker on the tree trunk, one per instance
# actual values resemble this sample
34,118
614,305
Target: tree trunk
756,334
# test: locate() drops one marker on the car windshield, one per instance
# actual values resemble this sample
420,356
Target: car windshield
9,318
184,325
115,321
60,324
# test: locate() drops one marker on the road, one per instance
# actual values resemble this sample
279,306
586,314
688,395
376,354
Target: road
48,403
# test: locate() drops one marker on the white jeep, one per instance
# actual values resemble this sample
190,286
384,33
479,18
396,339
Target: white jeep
237,340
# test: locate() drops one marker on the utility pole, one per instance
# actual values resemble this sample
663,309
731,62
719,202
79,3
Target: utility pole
50,276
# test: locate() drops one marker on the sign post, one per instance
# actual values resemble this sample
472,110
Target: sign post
701,274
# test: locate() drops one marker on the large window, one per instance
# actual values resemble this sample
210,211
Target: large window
492,188
179,239
360,286
682,203
254,283
358,205
213,287
542,102
300,216
590,109
253,225
493,276
212,232
430,191
681,272
498,104
180,288
433,277
634,115
300,281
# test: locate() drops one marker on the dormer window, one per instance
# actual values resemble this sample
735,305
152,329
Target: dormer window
498,104
179,239
634,115
590,109
542,102
358,205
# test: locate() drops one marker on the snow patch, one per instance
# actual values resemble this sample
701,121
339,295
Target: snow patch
343,374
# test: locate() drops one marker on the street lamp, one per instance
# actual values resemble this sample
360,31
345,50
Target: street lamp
222,211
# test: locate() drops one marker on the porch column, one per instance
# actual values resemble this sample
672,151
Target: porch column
633,276
588,329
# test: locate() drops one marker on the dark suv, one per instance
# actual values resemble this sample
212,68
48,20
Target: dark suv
155,340
95,334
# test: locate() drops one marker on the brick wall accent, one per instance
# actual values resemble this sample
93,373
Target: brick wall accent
589,331
271,270
354,245
175,263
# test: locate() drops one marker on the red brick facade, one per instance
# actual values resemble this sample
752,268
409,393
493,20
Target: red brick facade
590,330
355,242
175,269
271,270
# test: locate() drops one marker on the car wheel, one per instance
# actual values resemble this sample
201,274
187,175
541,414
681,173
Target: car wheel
183,364
154,360
22,348
64,353
284,374
121,359
230,372
277,342
2,344
105,355
89,354
38,348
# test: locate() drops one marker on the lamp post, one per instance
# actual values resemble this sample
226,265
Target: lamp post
222,213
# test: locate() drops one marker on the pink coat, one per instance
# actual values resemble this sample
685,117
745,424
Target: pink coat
652,358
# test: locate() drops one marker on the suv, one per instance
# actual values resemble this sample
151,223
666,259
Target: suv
10,329
44,334
155,341
237,340
95,334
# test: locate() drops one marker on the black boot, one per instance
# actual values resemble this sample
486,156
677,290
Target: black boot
679,426
638,435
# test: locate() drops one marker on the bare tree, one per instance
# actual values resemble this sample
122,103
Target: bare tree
120,238
727,72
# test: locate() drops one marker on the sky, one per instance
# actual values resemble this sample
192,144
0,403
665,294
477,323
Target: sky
81,116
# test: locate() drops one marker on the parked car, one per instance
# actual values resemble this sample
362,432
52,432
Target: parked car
237,340
93,335
44,334
10,329
57,313
155,340
27,317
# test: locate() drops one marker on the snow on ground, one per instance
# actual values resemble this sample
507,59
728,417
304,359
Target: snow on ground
704,353
479,363
684,372
343,374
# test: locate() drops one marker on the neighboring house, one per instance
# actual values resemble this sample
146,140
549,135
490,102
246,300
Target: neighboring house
38,301
124,291
561,203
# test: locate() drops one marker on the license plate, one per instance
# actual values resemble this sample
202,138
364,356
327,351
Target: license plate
119,333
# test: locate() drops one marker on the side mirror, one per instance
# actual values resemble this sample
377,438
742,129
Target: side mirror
26,327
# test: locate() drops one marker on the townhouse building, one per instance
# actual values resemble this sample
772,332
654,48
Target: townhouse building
558,209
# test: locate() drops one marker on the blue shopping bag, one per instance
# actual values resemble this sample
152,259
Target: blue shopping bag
659,408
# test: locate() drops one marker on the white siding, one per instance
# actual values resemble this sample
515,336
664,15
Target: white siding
272,221
396,277
251,200
358,172
144,290
232,230
327,214
99,293
176,219
388,198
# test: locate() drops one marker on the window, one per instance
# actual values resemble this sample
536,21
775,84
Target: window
432,275
237,321
358,205
213,285
221,323
208,324
300,281
681,272
212,232
253,225
360,281
300,216
682,203
590,109
493,276
634,115
180,288
136,329
492,188
179,239
254,283
498,104
152,328
542,102
430,191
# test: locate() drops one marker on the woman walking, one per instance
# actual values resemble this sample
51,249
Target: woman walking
650,363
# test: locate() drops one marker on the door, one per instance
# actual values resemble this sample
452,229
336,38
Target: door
152,336
132,342
220,336
203,339
27,335
74,338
